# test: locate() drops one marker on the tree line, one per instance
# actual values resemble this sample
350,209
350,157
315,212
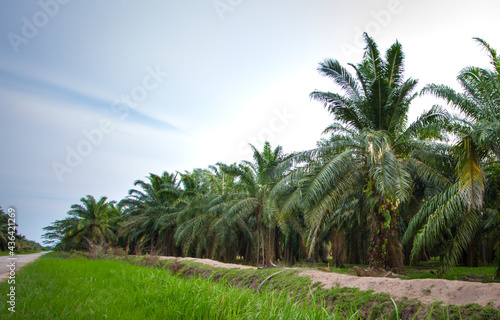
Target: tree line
376,190
11,240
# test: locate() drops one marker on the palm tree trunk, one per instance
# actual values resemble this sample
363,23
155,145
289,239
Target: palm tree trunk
262,245
270,248
386,250
395,256
248,258
378,237
338,247
497,276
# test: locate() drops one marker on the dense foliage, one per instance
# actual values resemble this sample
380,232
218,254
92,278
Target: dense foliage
9,235
377,190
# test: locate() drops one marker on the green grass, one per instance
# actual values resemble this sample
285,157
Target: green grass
55,288
67,286
343,300
455,273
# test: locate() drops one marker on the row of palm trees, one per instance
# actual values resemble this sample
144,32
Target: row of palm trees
10,239
378,190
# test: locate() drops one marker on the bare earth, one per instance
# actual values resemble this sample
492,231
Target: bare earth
209,262
20,261
425,290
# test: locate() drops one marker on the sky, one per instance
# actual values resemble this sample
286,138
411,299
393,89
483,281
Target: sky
97,94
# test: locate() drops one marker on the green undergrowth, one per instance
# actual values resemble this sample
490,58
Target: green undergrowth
369,305
340,302
80,288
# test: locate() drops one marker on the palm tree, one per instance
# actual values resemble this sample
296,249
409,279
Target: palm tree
56,231
92,221
195,218
150,215
4,230
364,165
251,200
460,206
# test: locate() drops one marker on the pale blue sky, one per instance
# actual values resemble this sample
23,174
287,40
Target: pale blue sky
203,78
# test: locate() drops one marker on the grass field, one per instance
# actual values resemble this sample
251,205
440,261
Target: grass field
53,288
68,286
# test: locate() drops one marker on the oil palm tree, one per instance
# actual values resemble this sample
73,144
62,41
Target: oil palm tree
364,163
205,228
460,206
150,214
195,218
91,221
251,200
56,231
4,230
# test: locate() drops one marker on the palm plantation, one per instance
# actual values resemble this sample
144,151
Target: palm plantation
376,190
203,230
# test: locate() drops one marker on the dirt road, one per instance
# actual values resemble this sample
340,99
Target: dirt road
16,262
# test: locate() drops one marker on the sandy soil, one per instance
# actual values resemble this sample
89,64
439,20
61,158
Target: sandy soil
209,262
425,290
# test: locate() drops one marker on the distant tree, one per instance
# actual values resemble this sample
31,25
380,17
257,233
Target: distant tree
4,226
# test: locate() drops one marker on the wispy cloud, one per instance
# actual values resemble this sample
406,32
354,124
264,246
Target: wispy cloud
19,83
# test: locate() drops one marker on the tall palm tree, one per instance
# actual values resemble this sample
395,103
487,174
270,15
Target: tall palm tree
91,221
150,215
197,215
364,163
254,203
460,205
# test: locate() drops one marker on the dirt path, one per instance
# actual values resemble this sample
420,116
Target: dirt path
18,260
425,290
210,262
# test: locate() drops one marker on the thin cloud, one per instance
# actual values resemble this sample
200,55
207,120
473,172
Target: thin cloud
19,83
